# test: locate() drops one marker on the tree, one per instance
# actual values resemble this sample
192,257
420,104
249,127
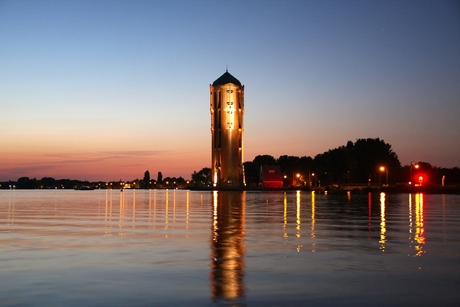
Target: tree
251,173
146,181
369,155
160,178
264,160
288,164
202,178
305,164
180,182
26,183
48,183
334,166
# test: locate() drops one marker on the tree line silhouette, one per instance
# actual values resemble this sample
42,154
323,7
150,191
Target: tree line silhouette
356,163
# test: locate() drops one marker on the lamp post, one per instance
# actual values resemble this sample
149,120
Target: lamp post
385,169
301,179
415,165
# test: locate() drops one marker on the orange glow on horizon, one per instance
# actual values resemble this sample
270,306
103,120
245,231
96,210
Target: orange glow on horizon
101,166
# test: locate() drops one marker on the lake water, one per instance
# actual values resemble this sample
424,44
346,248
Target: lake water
202,248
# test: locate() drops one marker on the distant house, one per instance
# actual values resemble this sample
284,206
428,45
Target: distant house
270,177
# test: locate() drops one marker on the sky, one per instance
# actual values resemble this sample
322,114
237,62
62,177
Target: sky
105,90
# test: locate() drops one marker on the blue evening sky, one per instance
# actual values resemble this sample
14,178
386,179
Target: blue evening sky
109,89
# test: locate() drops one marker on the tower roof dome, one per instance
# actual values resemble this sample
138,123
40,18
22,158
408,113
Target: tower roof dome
226,78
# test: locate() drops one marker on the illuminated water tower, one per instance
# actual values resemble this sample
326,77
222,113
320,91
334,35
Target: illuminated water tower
227,113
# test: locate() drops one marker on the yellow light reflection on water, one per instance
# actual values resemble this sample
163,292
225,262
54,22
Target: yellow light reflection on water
121,211
11,206
383,229
154,204
410,216
419,225
134,209
108,212
313,221
150,209
313,235
297,221
166,212
285,212
174,210
187,211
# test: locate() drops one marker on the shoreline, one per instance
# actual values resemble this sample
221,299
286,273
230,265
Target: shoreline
454,189
341,189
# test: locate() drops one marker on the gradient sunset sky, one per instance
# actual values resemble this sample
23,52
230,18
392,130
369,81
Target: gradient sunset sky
104,90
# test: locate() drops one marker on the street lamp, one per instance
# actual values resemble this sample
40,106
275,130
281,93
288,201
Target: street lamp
297,180
384,169
415,165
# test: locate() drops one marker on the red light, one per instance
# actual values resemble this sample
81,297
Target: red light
421,179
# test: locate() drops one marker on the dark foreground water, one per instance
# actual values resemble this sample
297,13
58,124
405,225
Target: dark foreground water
160,247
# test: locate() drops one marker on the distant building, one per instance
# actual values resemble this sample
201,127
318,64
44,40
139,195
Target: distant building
270,177
227,119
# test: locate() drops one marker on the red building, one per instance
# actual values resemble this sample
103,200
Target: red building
270,177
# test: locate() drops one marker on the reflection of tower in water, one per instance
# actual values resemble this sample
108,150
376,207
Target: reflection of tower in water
227,259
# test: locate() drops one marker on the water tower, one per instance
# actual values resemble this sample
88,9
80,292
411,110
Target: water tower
227,127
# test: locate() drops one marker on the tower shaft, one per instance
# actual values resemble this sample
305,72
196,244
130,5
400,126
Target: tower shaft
227,127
